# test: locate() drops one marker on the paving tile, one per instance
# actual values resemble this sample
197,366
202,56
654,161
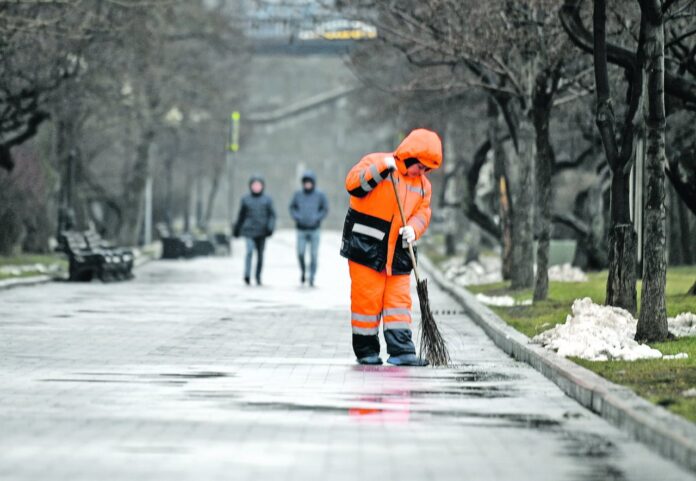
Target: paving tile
184,373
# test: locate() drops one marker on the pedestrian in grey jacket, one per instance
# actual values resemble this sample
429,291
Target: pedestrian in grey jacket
308,208
256,221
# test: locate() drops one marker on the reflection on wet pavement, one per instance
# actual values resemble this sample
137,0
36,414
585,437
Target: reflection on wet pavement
186,374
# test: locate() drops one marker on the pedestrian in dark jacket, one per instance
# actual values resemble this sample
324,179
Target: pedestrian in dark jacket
256,221
308,208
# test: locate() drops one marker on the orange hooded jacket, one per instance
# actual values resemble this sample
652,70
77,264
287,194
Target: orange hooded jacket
371,229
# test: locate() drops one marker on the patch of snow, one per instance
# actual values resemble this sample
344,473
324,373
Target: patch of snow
681,355
597,333
484,271
682,325
566,273
502,301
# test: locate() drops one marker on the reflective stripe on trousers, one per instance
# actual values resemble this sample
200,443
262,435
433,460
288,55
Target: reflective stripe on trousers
375,296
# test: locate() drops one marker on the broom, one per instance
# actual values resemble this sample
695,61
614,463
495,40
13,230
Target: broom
432,345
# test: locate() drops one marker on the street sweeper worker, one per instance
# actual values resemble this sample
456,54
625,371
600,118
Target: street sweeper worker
375,244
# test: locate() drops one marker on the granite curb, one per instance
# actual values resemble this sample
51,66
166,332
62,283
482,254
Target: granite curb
670,435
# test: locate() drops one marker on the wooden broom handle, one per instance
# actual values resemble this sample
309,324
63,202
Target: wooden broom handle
403,221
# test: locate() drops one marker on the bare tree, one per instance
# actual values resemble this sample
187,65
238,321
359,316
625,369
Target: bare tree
652,322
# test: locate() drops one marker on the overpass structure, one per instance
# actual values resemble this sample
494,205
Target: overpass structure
302,105
302,27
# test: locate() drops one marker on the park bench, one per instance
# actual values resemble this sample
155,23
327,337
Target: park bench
87,261
174,246
119,265
222,243
183,245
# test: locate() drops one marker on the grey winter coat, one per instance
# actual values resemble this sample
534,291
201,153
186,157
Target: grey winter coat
256,215
309,208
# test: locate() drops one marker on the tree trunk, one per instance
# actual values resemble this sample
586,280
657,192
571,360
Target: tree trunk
135,188
621,283
504,200
522,274
210,204
541,113
652,322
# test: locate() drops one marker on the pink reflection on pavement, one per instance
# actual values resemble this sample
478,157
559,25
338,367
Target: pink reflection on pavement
391,405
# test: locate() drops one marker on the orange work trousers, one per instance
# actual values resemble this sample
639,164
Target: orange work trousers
375,296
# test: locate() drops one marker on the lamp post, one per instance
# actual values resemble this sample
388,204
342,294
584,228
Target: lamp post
173,119
232,146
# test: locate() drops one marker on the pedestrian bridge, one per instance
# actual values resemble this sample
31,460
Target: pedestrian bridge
303,30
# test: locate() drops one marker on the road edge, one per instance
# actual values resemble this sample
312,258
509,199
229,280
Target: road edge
670,435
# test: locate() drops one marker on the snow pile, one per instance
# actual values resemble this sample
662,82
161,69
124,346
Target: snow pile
597,333
566,273
502,301
484,271
683,325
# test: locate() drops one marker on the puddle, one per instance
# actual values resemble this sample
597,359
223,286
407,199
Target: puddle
178,379
196,375
475,376
481,392
597,454
115,381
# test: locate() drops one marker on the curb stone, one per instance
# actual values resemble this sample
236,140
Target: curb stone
670,435
24,282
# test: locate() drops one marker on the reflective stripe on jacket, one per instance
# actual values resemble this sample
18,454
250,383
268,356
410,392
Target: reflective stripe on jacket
371,228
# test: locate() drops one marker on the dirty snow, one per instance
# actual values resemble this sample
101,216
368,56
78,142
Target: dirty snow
488,269
566,273
503,301
484,271
683,325
598,333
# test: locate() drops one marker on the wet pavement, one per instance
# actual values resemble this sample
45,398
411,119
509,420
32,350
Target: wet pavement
185,373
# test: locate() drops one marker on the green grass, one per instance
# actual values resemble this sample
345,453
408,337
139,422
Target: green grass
30,259
23,259
660,381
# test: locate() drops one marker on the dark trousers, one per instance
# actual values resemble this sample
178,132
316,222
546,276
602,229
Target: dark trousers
252,243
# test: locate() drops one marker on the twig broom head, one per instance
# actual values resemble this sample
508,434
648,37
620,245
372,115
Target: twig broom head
432,344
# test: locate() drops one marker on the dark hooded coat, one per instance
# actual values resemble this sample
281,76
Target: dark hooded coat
309,207
256,214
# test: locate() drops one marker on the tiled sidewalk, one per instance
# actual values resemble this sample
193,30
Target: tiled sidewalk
185,373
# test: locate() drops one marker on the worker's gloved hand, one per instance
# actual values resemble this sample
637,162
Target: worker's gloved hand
390,162
408,234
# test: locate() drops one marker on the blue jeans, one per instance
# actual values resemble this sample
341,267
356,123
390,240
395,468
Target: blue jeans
310,236
252,243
